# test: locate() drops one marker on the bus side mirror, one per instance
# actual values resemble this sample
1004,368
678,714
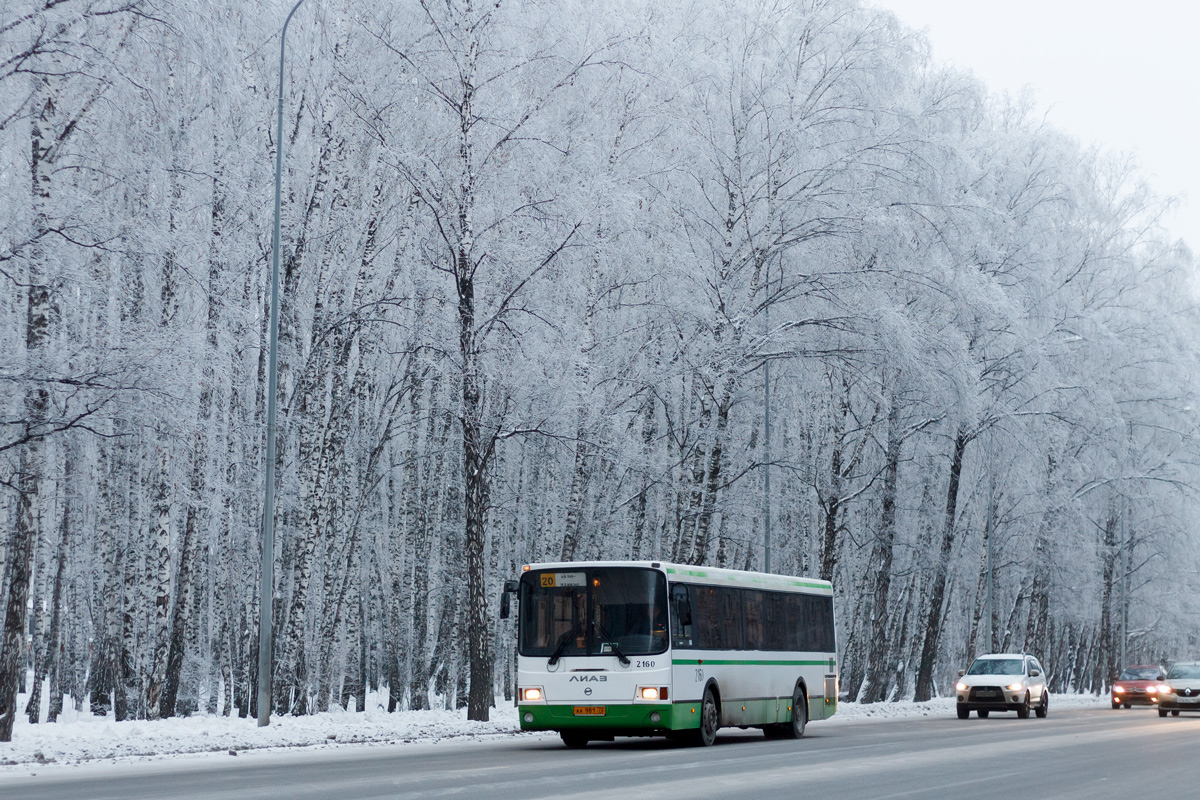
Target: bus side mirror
510,587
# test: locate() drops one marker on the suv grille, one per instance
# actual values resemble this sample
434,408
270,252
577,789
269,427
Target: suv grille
987,694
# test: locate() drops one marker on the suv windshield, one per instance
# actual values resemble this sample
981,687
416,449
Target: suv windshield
1184,671
593,611
1139,674
997,666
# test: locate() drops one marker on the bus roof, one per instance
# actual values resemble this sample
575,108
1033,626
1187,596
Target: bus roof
688,573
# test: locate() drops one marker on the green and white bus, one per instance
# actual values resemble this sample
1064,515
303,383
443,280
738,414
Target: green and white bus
645,648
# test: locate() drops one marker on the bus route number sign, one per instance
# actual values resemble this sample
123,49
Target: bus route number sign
553,580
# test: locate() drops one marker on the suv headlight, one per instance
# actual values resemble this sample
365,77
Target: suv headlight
960,687
1015,687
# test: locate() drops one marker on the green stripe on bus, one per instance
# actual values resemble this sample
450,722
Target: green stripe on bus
695,662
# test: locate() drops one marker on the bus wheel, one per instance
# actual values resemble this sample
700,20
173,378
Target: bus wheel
799,715
573,740
710,720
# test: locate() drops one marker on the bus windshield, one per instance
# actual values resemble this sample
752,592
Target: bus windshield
593,611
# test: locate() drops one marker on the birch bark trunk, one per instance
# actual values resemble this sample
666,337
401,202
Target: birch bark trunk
879,568
41,315
936,611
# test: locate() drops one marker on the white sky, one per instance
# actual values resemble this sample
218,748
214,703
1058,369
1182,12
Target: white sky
1124,75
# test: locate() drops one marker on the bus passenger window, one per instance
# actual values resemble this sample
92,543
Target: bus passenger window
706,617
682,634
752,605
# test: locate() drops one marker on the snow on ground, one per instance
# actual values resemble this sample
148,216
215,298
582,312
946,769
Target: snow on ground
80,737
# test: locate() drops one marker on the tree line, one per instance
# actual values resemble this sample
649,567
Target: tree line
539,259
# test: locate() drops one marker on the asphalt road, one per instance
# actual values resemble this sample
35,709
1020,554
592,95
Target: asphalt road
1074,753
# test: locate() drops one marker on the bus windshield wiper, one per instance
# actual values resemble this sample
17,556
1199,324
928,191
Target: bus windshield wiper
562,645
615,648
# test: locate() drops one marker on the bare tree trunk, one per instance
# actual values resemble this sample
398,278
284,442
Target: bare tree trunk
41,315
831,502
475,464
1108,655
936,611
12,652
712,481
48,665
160,564
880,566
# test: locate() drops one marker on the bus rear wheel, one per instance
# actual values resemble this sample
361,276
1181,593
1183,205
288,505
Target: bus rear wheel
795,730
573,740
710,720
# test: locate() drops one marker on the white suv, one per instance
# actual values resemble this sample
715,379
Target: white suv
1003,682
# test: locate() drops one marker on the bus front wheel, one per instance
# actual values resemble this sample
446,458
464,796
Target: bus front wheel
710,720
573,740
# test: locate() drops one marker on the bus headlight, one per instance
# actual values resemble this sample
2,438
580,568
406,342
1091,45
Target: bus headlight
531,694
649,693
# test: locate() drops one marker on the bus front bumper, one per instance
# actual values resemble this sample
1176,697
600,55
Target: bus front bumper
627,718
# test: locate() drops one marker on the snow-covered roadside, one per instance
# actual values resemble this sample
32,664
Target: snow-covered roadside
86,738
79,738
944,707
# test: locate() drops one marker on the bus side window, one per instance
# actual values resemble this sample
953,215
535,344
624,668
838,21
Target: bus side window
797,632
732,629
775,622
819,617
681,617
706,621
753,606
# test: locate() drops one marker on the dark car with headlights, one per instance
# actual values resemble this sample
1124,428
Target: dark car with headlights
1138,686
1181,689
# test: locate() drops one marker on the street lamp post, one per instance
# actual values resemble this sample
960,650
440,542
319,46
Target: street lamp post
267,584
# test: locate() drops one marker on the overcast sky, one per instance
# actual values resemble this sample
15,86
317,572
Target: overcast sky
1124,75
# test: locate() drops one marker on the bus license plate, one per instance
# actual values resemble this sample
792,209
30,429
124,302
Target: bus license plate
589,711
